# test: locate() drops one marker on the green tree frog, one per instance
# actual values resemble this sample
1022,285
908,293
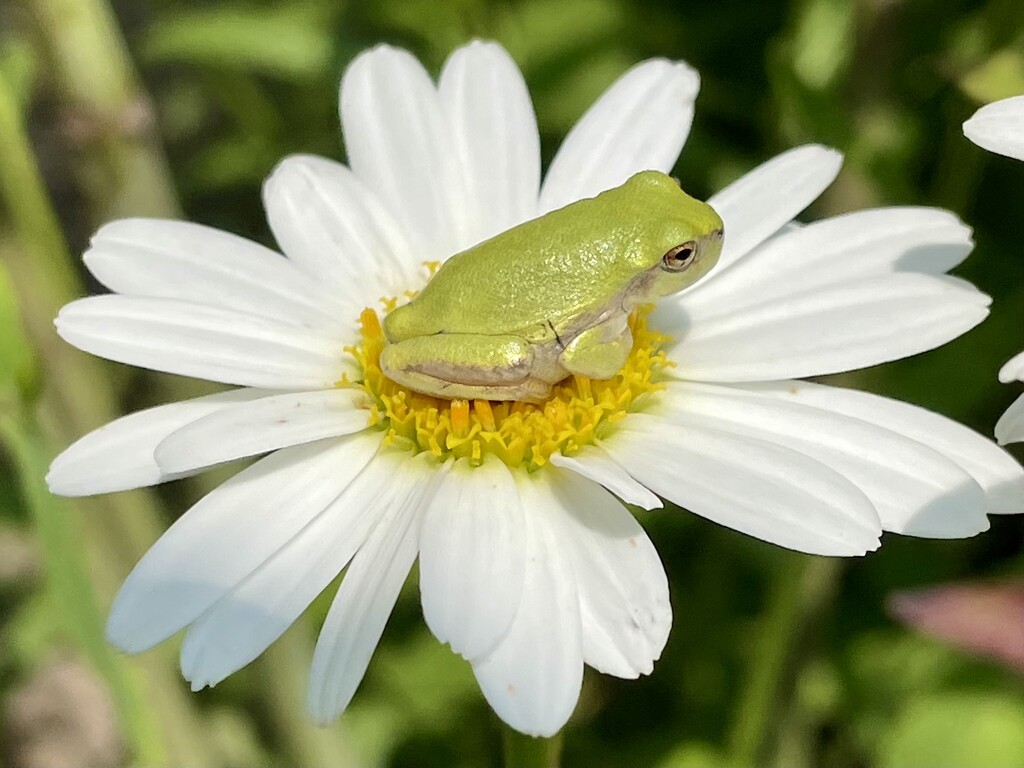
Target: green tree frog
509,318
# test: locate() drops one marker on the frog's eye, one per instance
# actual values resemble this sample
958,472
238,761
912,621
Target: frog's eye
680,257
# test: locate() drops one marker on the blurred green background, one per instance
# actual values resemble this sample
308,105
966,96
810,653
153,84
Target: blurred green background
175,108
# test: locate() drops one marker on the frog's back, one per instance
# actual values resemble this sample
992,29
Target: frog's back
557,266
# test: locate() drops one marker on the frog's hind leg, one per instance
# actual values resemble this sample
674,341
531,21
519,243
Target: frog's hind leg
599,352
469,366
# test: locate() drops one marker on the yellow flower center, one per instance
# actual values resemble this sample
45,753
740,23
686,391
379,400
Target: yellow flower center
578,411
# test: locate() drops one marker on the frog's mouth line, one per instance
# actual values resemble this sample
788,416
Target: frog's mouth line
579,411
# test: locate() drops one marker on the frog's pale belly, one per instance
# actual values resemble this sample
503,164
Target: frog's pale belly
501,367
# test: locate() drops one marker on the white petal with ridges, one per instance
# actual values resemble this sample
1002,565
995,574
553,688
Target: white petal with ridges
593,463
491,115
227,535
265,425
639,124
472,557
532,679
758,488
119,456
1013,370
190,262
1010,427
328,222
842,249
999,127
248,619
916,490
368,593
624,602
399,143
204,342
763,201
829,330
994,469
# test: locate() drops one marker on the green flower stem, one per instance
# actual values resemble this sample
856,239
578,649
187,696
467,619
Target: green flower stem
528,752
281,678
120,164
75,398
802,585
74,603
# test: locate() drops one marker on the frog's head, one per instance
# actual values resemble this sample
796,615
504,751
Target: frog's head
681,239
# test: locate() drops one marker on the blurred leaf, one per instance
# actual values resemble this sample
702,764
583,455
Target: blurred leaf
231,163
289,41
958,730
998,78
539,33
823,42
17,362
693,754
19,66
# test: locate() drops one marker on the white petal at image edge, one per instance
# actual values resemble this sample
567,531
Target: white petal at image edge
999,127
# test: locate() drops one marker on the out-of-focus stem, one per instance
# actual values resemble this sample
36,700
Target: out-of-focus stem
282,675
120,165
801,585
523,751
66,578
75,399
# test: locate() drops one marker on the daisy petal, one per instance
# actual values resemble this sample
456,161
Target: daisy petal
227,535
830,330
593,463
202,342
366,598
764,490
999,127
119,456
842,249
766,199
916,490
1013,370
471,557
244,623
639,124
993,468
624,605
532,679
489,109
262,426
333,227
180,260
399,144
1010,427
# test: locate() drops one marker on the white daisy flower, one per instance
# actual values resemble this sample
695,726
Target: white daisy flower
999,128
530,567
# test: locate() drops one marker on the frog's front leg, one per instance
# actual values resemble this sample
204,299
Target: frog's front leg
599,352
464,365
